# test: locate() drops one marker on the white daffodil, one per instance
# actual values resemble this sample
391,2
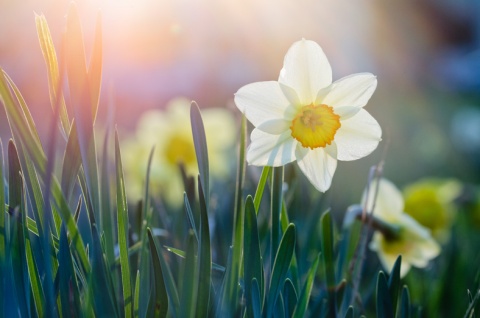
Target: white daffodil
411,240
171,134
305,117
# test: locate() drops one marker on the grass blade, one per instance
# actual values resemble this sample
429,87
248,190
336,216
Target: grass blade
404,310
122,224
253,265
53,73
283,258
304,298
136,293
189,280
261,187
384,303
204,258
201,150
328,260
290,297
256,300
95,67
160,298
70,300
394,282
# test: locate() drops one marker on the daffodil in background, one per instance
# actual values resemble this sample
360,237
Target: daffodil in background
170,132
305,117
431,203
410,239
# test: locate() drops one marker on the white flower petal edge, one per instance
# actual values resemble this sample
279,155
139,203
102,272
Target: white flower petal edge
318,165
353,90
271,150
358,136
261,101
306,69
389,200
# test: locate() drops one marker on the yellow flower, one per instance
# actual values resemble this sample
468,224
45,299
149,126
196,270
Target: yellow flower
411,240
430,203
170,133
304,117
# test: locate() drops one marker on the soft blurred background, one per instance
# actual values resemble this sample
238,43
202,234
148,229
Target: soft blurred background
426,54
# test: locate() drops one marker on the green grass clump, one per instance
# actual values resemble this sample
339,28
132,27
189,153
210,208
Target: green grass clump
71,244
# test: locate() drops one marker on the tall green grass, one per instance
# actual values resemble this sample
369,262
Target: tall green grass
53,265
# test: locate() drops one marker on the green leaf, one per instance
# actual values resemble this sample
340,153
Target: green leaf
19,265
394,282
283,258
160,298
261,187
229,293
328,260
2,226
201,150
71,162
107,223
189,280
122,227
95,67
290,297
190,216
253,265
136,299
404,310
100,283
350,313
204,258
276,210
70,300
53,73
170,286
304,298
384,303
256,300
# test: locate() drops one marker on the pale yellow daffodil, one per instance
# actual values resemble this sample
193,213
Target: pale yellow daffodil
411,240
305,117
170,132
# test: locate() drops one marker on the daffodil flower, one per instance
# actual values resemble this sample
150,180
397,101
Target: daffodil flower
413,241
305,117
171,134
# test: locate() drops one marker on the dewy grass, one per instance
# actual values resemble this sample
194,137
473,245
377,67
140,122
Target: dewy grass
74,245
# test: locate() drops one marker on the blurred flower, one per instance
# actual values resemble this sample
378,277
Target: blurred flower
410,239
306,117
430,203
170,133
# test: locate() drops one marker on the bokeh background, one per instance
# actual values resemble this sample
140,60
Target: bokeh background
426,54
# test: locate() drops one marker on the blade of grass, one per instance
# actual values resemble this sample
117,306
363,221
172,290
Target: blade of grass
160,293
53,73
189,280
71,162
394,282
304,298
261,187
256,300
404,310
283,258
201,150
275,212
229,294
204,258
95,67
70,300
383,301
122,224
253,264
106,221
2,219
290,297
328,260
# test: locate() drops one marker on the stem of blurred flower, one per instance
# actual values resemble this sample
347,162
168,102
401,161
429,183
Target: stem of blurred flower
389,231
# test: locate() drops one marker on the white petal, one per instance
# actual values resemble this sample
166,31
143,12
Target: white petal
358,136
318,165
388,200
275,126
271,150
353,90
261,101
306,70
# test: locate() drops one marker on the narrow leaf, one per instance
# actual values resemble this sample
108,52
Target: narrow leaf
200,142
384,303
122,227
189,280
394,282
160,294
304,298
328,260
70,300
283,258
404,310
290,297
